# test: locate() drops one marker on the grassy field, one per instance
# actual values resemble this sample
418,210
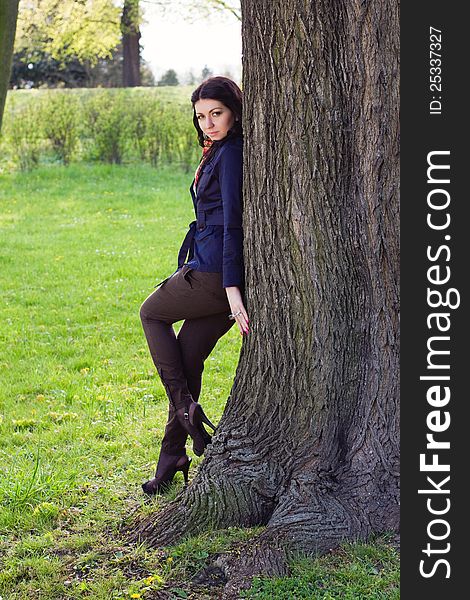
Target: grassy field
82,411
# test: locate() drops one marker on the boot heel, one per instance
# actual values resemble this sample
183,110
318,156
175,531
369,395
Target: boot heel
206,420
198,416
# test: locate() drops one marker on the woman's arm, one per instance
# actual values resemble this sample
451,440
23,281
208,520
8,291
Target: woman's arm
230,181
237,308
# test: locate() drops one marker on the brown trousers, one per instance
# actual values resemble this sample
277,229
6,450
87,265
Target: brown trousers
200,300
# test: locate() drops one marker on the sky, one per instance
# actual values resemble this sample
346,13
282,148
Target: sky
170,42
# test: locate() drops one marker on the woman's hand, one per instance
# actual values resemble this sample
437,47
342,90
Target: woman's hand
236,306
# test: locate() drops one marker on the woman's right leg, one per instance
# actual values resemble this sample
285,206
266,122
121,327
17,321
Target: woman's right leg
197,338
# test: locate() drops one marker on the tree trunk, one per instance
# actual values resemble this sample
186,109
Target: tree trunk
130,44
8,16
309,441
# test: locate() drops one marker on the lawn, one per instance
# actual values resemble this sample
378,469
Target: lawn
82,411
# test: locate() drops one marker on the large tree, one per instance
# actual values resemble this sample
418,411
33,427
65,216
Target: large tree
309,441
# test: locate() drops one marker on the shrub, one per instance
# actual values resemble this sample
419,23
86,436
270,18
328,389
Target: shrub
61,118
149,130
184,139
109,121
163,132
23,134
109,125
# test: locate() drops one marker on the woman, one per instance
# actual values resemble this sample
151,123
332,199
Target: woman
207,291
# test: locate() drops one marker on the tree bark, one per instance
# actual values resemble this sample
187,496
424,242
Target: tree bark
8,17
309,441
130,44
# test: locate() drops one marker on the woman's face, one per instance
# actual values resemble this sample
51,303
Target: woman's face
214,118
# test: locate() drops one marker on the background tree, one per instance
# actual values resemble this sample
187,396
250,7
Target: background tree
189,78
169,78
60,34
48,72
206,73
68,29
130,21
309,443
75,32
8,15
192,10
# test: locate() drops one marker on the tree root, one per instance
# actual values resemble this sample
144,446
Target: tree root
305,520
163,529
208,504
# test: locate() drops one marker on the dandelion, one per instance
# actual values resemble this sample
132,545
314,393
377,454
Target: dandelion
46,509
136,595
60,417
19,424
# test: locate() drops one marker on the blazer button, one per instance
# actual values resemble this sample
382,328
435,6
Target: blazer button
201,228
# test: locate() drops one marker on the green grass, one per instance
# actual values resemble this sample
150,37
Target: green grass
354,572
82,411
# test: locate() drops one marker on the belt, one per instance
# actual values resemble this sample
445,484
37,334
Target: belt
186,245
203,219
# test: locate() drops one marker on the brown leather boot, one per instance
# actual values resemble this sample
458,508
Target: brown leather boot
167,467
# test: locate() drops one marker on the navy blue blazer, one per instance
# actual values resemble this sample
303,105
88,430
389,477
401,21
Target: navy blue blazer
215,240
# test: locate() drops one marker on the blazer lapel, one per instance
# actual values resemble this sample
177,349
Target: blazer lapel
203,178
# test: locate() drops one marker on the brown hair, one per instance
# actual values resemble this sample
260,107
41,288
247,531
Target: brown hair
226,91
